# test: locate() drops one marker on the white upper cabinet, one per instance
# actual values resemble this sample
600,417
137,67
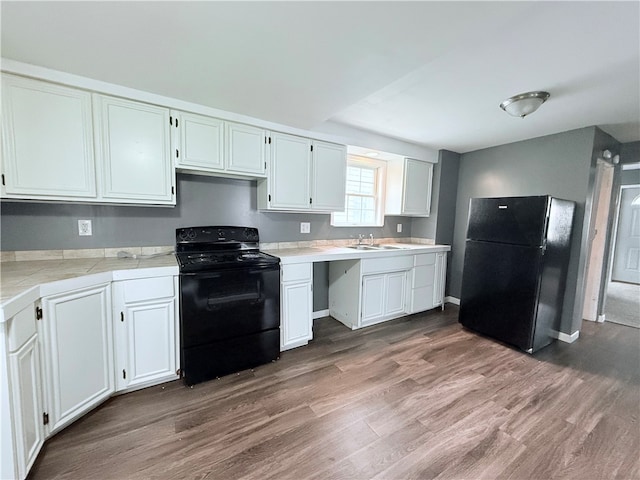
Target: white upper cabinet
212,146
133,141
290,169
409,188
304,175
329,176
199,142
245,148
47,140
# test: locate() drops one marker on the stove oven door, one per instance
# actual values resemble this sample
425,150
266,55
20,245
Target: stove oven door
230,320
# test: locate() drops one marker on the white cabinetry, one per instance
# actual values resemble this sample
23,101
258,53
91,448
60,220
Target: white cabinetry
304,175
144,316
198,142
25,379
408,188
328,176
296,322
245,148
368,291
427,281
47,141
78,352
133,148
212,146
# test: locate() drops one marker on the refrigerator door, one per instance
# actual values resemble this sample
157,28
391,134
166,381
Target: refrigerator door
500,291
513,220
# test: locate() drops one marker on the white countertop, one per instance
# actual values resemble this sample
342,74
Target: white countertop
24,282
329,253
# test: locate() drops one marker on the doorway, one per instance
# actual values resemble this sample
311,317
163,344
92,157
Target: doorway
623,289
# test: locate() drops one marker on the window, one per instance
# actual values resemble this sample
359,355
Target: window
364,194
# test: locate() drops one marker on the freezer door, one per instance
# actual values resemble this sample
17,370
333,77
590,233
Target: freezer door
513,220
500,291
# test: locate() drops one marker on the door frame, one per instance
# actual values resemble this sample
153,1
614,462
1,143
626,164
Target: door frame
616,225
597,261
614,214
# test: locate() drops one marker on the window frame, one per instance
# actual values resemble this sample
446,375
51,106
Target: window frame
380,168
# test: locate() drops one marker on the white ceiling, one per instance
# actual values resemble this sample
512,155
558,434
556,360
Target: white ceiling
431,73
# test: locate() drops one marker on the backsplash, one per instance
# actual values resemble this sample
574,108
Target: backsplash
141,252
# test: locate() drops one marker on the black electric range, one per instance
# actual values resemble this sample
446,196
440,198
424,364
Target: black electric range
230,302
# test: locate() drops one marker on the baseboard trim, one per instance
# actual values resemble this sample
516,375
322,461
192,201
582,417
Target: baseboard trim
565,337
454,300
320,314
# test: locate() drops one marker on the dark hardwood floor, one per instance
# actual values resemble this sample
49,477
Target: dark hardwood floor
418,397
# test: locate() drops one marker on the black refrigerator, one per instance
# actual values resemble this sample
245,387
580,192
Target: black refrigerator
515,268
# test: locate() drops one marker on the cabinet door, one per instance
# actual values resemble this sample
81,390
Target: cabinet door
395,293
246,148
145,329
373,297
297,322
200,142
440,278
134,146
79,359
26,391
329,177
47,140
416,198
150,344
290,170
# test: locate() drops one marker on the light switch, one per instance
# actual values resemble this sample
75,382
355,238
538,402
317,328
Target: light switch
399,228
305,227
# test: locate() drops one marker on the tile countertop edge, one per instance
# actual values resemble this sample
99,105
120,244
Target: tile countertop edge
327,254
12,305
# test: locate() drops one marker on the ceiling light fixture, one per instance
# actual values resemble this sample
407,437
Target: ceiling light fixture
524,104
371,154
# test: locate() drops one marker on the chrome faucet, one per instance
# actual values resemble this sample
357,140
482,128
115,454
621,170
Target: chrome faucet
360,238
371,239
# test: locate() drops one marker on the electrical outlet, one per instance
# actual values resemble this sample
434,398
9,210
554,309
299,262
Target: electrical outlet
84,228
399,228
305,227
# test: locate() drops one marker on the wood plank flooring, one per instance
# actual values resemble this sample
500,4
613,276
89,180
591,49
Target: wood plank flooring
418,397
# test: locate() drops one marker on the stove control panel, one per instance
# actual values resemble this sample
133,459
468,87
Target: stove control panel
195,235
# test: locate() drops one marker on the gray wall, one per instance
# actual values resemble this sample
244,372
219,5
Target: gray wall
440,224
201,200
630,152
558,165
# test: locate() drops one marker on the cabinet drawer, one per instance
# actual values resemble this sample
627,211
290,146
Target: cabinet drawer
423,275
22,327
147,289
425,259
390,264
297,272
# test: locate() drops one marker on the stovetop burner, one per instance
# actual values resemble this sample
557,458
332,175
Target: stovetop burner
210,248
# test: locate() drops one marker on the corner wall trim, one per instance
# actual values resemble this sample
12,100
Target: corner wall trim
566,338
454,300
320,314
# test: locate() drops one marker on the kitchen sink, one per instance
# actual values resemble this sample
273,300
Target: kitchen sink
376,247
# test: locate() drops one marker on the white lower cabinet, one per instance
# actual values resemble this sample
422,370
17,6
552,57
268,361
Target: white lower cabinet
296,305
428,281
368,291
383,297
78,349
26,401
145,327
